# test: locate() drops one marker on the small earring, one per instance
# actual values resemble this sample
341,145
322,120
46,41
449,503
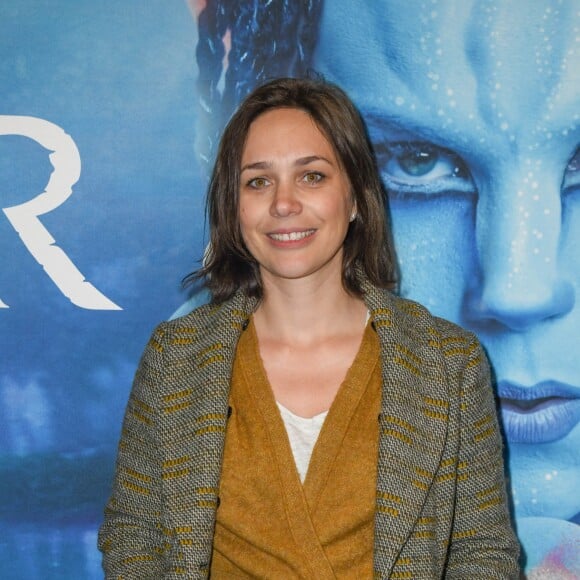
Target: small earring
352,216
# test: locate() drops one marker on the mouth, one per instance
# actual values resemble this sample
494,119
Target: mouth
542,413
291,236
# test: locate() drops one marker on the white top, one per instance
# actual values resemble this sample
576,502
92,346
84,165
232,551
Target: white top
303,433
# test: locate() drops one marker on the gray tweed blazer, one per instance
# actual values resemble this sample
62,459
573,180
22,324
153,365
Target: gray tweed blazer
441,508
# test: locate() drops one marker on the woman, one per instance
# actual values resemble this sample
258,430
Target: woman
251,445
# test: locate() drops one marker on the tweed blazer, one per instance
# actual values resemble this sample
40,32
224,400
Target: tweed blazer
441,509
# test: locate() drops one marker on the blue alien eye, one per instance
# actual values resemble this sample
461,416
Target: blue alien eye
420,167
417,162
571,180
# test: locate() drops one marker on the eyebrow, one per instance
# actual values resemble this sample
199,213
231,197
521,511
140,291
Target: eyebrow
411,129
300,162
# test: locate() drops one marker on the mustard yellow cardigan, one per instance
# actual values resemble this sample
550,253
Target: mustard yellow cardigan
271,525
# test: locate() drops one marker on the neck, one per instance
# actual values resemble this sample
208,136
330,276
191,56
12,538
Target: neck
306,311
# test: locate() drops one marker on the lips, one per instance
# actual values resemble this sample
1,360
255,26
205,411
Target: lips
542,413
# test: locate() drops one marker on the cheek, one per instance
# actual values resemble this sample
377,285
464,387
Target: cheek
247,224
427,251
340,208
249,210
242,221
244,217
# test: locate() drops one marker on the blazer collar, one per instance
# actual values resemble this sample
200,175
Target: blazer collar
413,421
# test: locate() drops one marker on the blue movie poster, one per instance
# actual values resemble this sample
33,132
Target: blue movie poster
109,113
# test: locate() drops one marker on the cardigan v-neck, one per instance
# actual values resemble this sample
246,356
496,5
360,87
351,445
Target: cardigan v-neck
269,524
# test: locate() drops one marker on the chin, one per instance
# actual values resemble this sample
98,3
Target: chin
544,478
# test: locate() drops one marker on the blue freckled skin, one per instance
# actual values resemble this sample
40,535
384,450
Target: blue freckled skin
501,104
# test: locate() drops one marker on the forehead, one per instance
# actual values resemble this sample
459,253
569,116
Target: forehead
491,72
285,129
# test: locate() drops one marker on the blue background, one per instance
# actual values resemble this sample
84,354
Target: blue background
121,79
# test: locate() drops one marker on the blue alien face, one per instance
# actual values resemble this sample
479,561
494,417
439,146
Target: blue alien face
474,111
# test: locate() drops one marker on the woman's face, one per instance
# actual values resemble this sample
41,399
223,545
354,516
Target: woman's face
295,200
477,128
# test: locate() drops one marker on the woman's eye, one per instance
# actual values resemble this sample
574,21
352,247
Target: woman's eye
571,179
258,182
313,177
420,167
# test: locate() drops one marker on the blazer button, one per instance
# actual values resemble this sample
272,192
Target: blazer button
245,324
230,411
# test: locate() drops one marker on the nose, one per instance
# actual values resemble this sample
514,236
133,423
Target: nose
285,200
518,239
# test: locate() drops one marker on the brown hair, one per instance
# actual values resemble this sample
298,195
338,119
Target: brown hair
228,265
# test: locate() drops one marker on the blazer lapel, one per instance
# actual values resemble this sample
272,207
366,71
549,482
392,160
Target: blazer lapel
413,420
193,447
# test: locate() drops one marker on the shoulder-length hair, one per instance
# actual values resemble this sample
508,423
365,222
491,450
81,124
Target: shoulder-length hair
368,248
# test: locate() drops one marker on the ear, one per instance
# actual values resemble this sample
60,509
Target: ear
353,212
